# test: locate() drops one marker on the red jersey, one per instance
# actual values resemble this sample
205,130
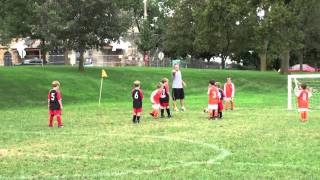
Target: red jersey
303,99
155,96
213,93
54,96
229,90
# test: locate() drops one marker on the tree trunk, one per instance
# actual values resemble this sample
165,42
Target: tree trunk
285,61
263,61
263,56
301,53
223,62
43,51
81,61
65,55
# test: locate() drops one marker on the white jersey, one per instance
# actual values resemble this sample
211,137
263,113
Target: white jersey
177,82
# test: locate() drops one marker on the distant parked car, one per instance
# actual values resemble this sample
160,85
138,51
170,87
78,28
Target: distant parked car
33,61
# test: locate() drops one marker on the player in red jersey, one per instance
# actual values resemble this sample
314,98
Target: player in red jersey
164,99
303,94
155,100
137,97
213,100
221,95
55,104
229,91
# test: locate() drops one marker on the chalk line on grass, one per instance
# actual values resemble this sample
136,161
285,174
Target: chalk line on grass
221,156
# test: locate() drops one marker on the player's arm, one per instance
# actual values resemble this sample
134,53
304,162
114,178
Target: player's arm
310,92
233,90
49,96
184,84
59,100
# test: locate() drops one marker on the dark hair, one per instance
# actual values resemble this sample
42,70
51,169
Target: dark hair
303,86
212,82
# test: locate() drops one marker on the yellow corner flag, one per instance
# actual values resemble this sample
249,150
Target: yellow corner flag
104,74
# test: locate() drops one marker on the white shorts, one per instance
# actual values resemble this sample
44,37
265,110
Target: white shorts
228,99
212,106
155,106
303,109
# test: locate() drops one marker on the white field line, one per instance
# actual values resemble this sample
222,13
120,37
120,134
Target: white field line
223,154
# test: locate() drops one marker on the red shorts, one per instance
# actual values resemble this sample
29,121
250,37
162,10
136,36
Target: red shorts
137,110
55,112
164,104
220,106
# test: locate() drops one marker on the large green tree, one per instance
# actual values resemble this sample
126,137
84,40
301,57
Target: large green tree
81,25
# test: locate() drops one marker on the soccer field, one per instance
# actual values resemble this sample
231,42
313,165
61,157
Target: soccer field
261,139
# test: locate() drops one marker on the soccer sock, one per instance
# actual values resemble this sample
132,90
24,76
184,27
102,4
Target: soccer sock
162,112
134,118
51,120
227,105
305,116
138,119
155,114
168,112
59,120
210,114
232,105
215,113
220,114
301,116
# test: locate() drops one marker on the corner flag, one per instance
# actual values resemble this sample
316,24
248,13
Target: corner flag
103,75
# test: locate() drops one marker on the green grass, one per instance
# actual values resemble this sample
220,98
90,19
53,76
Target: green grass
259,140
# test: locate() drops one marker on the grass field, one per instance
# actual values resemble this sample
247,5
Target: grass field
259,140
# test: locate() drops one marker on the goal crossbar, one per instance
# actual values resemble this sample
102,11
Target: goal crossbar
297,76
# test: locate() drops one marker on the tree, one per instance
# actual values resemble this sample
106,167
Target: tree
81,25
180,32
218,26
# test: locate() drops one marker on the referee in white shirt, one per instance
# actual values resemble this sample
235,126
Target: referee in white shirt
177,87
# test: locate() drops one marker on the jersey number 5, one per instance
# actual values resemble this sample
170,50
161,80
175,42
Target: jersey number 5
52,96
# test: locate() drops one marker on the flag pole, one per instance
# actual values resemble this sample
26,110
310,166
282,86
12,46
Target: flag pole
100,90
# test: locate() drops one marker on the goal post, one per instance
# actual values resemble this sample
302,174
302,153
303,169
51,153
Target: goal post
312,80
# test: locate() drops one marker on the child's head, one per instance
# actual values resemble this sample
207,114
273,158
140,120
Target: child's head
165,80
159,85
212,82
228,79
137,84
218,84
55,84
303,86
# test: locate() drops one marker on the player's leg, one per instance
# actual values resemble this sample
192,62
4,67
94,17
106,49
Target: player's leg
305,116
301,116
168,112
162,111
174,99
59,119
227,104
51,116
232,104
215,113
138,117
134,116
182,100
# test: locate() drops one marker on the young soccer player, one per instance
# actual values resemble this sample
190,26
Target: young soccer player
229,91
55,104
221,95
155,100
303,94
137,97
164,99
213,101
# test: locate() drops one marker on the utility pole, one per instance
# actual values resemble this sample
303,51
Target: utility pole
145,9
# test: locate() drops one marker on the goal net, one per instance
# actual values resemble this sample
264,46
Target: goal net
312,81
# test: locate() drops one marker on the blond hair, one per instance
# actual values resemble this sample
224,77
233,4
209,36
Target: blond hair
136,83
218,84
164,80
55,83
159,85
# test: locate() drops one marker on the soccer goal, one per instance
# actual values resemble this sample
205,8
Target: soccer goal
312,81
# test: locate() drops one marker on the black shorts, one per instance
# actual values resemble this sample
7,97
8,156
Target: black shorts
177,93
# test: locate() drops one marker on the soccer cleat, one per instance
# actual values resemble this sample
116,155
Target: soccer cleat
60,126
50,126
151,114
183,109
176,109
162,116
169,117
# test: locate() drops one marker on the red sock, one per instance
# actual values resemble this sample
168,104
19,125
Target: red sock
301,116
305,116
227,105
215,113
59,120
232,105
51,120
